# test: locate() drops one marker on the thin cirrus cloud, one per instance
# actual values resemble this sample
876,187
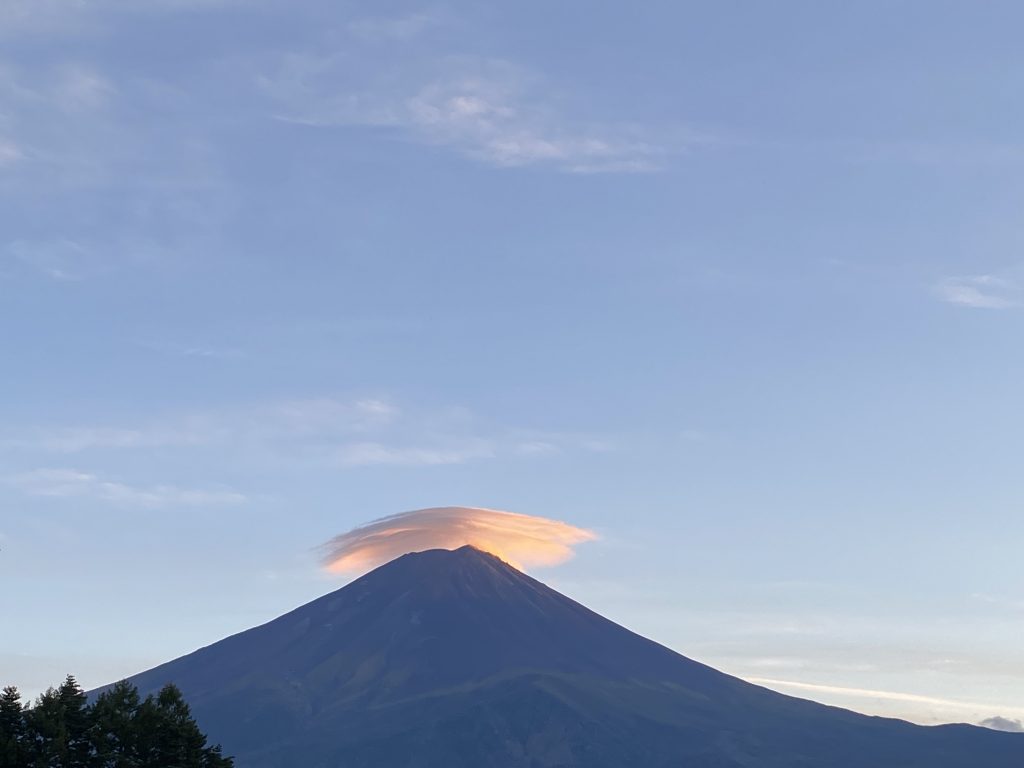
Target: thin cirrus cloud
522,540
488,110
81,88
289,421
75,484
377,454
334,432
488,120
866,693
84,127
63,17
9,152
382,28
978,292
60,259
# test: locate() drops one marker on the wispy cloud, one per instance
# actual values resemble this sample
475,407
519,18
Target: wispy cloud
81,88
71,129
72,483
979,292
393,27
377,454
485,109
9,152
71,17
82,259
61,259
34,98
88,154
333,432
25,16
490,119
85,438
198,350
319,419
795,663
869,693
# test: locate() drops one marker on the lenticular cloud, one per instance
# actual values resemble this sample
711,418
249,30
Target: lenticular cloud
521,540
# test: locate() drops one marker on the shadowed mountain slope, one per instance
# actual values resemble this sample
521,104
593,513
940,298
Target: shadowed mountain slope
452,659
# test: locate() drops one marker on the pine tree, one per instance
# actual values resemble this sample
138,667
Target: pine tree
113,732
58,728
48,737
170,737
62,730
14,750
75,706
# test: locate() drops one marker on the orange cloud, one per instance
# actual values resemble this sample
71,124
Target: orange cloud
521,540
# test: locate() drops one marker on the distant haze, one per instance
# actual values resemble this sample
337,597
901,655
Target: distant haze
522,540
1003,724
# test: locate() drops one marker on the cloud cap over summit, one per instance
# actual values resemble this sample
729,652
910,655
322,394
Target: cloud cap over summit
522,540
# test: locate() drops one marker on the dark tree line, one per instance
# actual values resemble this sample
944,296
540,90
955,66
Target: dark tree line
117,730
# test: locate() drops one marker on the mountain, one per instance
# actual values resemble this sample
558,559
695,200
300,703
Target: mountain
455,659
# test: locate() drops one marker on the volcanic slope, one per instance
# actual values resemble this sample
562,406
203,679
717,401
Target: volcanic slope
455,659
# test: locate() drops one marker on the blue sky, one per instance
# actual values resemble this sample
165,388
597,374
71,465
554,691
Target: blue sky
738,286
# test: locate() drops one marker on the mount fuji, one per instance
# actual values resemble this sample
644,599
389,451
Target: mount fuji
455,659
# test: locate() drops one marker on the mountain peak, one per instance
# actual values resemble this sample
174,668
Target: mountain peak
464,573
462,552
472,549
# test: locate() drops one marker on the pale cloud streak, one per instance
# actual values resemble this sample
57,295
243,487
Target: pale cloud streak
491,120
76,484
521,540
25,16
868,693
34,96
70,130
202,351
405,27
261,424
87,438
346,434
377,454
81,88
64,260
978,292
488,110
9,152
76,17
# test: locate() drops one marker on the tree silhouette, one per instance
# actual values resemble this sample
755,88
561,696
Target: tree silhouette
118,730
114,734
14,748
